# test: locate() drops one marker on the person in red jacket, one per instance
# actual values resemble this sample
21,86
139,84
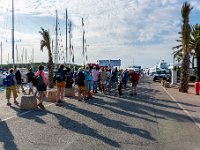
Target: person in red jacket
134,77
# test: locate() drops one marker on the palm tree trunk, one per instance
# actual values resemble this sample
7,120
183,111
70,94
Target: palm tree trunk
50,67
198,67
185,75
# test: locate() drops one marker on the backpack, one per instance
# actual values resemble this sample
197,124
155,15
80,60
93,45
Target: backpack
80,79
38,81
58,76
8,81
69,81
34,81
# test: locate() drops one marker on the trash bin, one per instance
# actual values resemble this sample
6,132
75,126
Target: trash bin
196,87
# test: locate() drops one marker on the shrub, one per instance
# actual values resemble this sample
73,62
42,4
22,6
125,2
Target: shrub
192,78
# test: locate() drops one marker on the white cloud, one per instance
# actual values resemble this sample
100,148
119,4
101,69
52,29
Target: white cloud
114,29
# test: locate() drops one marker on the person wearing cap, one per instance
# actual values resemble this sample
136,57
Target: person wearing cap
30,75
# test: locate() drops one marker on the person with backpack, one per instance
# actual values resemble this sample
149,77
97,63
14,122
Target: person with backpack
10,84
30,75
41,85
68,78
80,80
59,79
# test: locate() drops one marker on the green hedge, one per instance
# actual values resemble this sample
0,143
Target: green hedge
192,78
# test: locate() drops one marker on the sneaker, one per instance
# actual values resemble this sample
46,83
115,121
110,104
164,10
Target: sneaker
59,103
41,106
8,104
16,102
85,99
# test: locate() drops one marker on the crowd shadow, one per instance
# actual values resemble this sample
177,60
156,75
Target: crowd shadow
115,124
6,137
82,128
35,115
145,104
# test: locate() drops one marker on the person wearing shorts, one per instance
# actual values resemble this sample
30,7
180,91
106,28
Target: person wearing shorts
80,79
60,84
11,88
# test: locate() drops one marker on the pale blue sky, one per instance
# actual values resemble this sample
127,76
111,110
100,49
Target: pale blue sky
139,31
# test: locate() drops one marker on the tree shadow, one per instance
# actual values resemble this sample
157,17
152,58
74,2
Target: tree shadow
82,128
6,137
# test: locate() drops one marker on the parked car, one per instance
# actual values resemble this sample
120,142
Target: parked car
160,74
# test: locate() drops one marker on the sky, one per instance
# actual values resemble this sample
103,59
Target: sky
138,32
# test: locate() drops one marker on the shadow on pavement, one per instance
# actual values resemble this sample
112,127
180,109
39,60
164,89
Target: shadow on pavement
6,137
38,113
145,103
82,128
111,123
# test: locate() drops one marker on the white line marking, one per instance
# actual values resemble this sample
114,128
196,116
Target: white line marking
23,113
187,113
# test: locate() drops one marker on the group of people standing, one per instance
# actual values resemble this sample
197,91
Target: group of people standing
89,80
104,79
13,81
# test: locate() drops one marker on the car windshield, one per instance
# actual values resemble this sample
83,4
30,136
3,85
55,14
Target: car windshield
161,72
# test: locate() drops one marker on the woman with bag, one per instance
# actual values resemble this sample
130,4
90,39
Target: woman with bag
41,85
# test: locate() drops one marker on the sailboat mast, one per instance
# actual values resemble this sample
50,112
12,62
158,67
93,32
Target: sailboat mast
13,56
66,35
56,43
1,56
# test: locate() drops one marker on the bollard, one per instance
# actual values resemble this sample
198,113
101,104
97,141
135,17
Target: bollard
196,87
28,102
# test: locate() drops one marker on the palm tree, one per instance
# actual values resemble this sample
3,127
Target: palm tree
185,40
46,42
195,45
178,55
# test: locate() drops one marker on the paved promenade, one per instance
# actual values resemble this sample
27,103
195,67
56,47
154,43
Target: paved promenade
152,120
187,101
